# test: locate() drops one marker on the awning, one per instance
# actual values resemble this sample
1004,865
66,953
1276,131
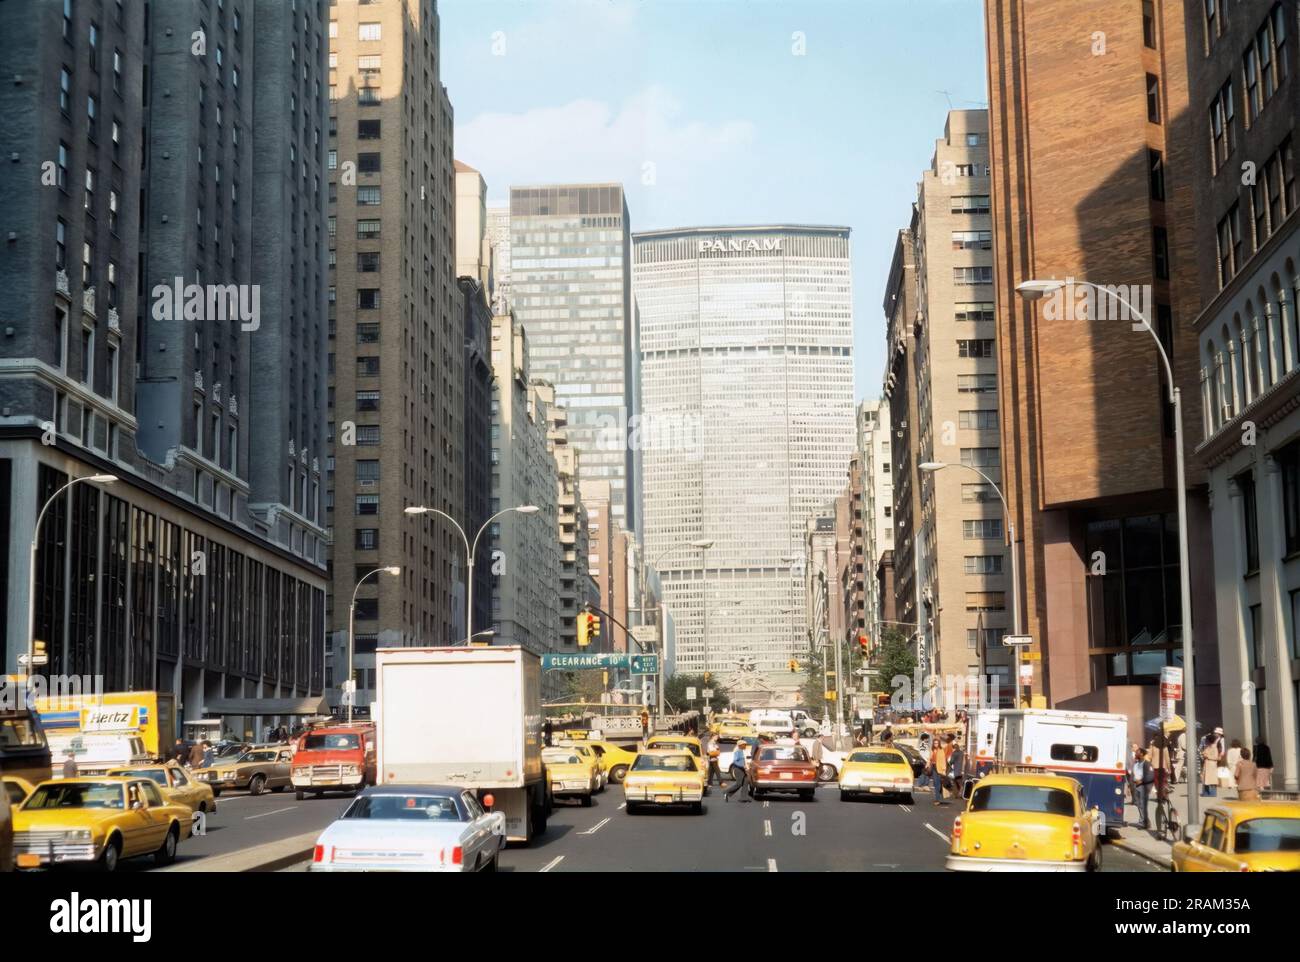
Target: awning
266,706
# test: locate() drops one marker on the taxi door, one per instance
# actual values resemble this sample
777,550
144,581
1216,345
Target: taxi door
1208,851
183,790
139,829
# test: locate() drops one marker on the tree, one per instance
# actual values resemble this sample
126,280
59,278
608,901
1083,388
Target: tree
894,657
675,692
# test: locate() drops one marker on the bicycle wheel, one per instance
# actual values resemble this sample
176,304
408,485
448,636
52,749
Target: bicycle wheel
1171,825
1160,818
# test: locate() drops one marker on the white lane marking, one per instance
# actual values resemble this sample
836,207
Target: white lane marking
771,865
946,839
249,818
622,805
906,809
767,827
551,864
767,804
595,828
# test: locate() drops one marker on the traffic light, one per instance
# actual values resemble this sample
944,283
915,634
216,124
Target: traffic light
593,626
864,643
708,676
583,640
794,665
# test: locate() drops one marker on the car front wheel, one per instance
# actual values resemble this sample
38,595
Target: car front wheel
112,852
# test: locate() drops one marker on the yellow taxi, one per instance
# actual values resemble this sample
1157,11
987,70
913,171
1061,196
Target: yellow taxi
1026,822
1234,836
98,820
679,743
664,776
176,784
876,771
735,727
16,789
571,774
616,759
590,754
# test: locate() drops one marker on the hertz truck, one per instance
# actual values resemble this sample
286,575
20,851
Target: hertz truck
466,716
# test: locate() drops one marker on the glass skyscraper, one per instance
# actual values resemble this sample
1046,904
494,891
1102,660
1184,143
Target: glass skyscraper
570,287
746,343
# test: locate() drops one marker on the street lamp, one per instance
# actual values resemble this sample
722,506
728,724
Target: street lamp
31,561
469,553
352,613
1033,290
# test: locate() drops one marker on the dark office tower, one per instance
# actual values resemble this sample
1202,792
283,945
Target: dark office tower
397,376
135,303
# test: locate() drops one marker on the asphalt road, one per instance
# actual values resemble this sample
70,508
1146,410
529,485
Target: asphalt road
244,820
781,834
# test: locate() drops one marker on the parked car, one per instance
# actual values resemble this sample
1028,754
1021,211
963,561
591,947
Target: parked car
256,770
413,828
97,821
1259,836
177,785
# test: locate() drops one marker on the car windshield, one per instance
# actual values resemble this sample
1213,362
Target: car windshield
1268,835
324,743
561,758
783,753
1022,798
257,757
441,808
157,775
878,758
663,763
67,794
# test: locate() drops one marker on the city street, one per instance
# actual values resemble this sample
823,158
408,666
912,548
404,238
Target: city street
858,836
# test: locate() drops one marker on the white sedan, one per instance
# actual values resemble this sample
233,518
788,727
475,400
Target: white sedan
413,828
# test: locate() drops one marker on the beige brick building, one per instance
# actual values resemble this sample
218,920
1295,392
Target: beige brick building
965,579
397,347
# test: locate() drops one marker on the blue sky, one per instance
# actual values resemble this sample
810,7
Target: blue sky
708,99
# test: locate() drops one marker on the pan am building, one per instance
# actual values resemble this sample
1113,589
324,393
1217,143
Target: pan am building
746,346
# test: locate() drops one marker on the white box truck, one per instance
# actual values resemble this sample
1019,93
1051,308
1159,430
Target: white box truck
467,716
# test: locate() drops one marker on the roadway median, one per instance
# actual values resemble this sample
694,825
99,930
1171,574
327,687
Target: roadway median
269,857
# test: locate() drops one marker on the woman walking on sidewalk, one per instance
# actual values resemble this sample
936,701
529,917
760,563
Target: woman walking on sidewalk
1245,776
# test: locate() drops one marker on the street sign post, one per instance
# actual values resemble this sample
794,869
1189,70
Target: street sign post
1017,641
34,660
707,693
643,664
690,693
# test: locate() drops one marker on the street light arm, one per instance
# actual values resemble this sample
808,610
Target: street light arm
1146,324
473,549
362,581
455,524
36,532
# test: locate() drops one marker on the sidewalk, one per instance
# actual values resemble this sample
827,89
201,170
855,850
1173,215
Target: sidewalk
1144,842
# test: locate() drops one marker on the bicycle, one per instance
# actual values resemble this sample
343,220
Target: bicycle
1166,821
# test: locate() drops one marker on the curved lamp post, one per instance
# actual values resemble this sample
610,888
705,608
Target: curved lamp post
31,560
1033,290
469,553
352,613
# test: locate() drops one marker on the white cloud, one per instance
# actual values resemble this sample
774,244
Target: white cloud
590,140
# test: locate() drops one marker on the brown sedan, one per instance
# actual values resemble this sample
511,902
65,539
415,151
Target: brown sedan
783,768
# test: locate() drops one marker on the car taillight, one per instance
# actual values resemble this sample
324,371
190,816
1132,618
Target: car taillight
956,829
457,856
1076,835
318,854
